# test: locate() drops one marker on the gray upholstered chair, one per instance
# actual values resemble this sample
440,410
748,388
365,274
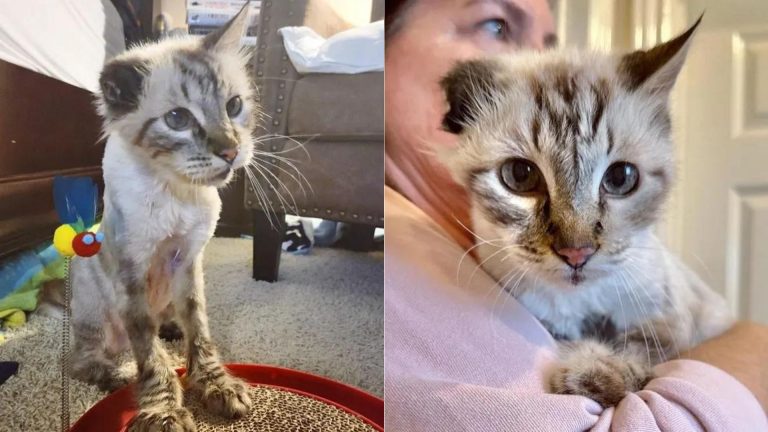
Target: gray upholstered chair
339,119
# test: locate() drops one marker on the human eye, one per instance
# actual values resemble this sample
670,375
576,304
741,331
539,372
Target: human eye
496,28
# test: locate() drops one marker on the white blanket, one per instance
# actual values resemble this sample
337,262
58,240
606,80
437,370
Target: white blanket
65,39
357,50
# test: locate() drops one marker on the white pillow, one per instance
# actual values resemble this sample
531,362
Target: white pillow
357,50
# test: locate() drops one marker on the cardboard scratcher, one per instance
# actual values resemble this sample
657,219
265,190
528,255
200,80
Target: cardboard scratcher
283,400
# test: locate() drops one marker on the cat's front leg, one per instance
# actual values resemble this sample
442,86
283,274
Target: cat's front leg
221,393
599,371
159,391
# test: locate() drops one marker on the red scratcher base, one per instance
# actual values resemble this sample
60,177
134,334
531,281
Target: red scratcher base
112,413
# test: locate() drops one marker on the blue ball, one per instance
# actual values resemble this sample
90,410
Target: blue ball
99,236
88,239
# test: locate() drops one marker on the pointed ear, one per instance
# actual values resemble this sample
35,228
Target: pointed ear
121,84
228,37
469,87
656,70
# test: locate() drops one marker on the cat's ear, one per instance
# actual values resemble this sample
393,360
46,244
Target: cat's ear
229,37
121,84
469,88
656,70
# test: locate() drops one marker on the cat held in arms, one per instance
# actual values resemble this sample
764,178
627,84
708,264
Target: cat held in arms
179,115
568,158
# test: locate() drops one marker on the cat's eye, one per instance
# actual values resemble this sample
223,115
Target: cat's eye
178,119
234,106
620,179
497,28
521,176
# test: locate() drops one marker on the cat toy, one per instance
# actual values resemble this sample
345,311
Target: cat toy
75,200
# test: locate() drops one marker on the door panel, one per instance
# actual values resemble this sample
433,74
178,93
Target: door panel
724,169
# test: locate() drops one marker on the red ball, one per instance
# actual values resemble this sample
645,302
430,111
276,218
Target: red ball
85,244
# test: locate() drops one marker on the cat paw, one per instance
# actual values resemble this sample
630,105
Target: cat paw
594,370
156,420
225,396
114,382
170,332
106,376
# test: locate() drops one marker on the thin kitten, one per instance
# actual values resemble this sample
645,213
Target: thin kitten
179,115
568,159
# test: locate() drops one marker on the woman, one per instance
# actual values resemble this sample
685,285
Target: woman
460,355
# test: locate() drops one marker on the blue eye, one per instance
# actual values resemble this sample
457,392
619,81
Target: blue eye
496,28
234,106
178,119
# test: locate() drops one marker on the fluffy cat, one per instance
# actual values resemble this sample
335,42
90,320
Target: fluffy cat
179,117
568,159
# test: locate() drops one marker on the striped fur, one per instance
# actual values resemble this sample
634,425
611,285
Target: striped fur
573,114
161,206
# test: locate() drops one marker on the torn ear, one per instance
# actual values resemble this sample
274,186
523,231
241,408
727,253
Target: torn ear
468,87
656,70
229,36
121,84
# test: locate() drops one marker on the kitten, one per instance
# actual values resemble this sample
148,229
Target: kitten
179,116
568,158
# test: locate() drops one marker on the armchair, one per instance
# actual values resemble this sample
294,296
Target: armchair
340,121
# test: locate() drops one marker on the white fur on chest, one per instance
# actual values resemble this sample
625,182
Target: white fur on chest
153,209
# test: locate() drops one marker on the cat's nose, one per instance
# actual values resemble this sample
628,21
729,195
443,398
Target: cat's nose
576,257
228,155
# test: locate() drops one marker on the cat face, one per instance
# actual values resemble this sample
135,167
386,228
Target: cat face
185,105
568,156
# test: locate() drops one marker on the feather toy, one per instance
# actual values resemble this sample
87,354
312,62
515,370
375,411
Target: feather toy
75,200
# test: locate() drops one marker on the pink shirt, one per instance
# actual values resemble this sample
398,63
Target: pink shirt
459,356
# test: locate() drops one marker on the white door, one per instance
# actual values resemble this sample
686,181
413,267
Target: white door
718,216
722,208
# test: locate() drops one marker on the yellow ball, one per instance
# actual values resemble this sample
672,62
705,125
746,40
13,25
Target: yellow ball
62,240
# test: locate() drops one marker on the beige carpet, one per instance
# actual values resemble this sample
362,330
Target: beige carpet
324,316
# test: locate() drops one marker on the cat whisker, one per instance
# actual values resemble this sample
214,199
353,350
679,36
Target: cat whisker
299,178
636,306
466,253
286,206
261,197
501,285
298,144
651,329
479,265
624,314
294,207
477,236
260,155
684,311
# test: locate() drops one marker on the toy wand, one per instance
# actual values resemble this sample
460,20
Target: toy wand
75,200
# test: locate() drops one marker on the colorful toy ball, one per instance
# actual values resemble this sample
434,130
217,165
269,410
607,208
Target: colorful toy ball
70,243
62,239
75,200
87,244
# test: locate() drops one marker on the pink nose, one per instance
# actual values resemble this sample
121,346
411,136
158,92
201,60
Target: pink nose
576,257
228,155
